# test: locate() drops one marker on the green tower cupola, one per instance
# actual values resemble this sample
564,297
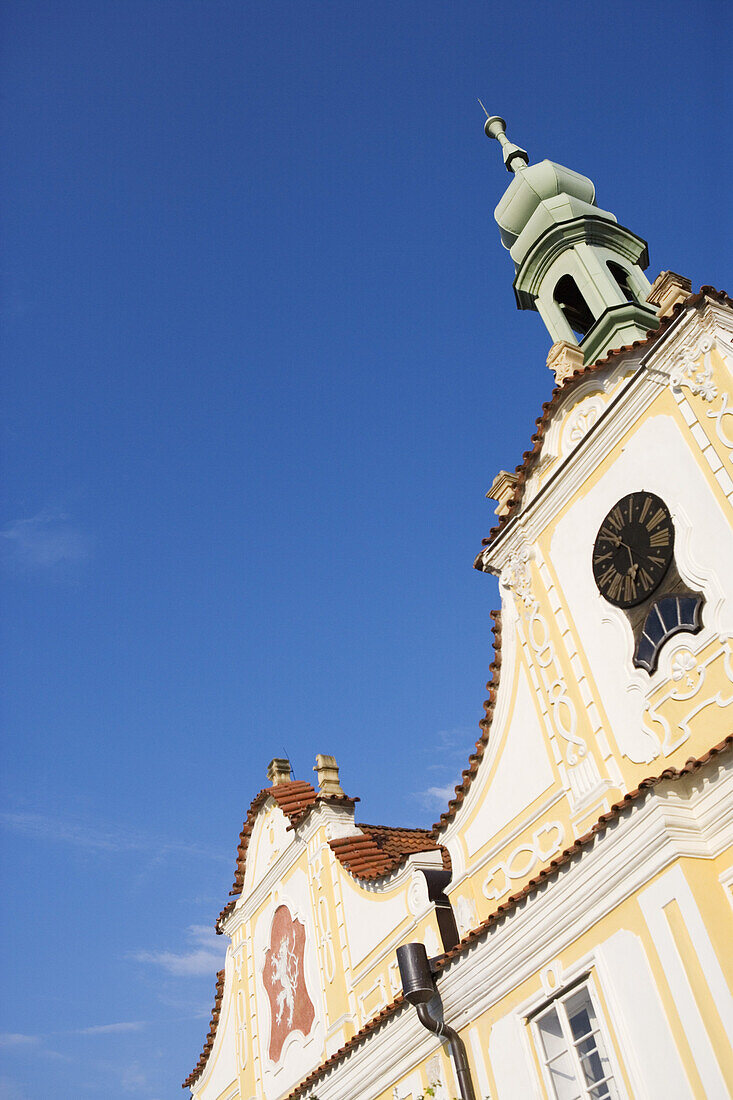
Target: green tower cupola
575,265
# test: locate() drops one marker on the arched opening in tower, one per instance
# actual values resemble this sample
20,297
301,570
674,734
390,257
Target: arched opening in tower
573,305
621,276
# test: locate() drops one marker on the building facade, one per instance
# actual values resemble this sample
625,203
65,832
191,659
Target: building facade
576,897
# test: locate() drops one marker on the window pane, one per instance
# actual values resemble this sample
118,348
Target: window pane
564,1080
581,1016
558,1059
553,1039
590,1060
669,611
589,1044
574,1051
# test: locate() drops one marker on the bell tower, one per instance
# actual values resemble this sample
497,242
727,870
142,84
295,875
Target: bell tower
575,265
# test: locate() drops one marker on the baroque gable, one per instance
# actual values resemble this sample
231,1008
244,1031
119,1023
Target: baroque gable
571,722
320,903
564,927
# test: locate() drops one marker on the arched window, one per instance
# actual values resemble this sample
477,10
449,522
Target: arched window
574,306
621,276
667,617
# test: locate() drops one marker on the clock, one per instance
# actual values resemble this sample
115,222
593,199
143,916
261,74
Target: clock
633,549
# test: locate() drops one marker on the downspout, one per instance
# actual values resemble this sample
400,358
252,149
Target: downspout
418,988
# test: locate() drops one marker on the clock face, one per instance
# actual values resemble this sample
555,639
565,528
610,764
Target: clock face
633,549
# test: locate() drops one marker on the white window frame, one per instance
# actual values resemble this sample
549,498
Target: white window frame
602,1029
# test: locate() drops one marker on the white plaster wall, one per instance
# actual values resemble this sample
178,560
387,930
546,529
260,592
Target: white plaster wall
270,837
221,1068
510,1061
300,1053
647,1046
660,459
369,918
522,774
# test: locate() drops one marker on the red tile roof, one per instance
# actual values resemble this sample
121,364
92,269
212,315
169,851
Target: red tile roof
375,853
504,910
295,799
530,458
216,1012
382,848
477,755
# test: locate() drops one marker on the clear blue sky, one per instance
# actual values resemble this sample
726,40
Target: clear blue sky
261,364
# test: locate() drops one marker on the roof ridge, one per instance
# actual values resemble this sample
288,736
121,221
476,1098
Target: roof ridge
208,1045
307,797
376,850
476,756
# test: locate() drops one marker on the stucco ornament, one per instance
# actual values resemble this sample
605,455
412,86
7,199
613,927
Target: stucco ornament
515,574
698,380
687,363
466,915
435,1073
283,974
682,665
417,894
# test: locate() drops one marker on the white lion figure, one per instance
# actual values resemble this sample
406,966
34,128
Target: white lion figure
285,967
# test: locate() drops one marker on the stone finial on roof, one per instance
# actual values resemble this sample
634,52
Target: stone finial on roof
515,158
502,491
328,775
564,359
667,290
278,771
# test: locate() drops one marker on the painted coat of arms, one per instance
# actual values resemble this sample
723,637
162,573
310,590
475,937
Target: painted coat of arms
291,1009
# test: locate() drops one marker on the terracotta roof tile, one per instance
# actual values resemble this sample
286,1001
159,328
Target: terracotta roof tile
477,755
530,457
502,911
294,799
382,848
216,1012
378,852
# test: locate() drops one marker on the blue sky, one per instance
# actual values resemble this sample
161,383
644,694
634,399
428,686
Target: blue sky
261,364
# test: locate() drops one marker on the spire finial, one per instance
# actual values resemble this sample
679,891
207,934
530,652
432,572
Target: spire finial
515,158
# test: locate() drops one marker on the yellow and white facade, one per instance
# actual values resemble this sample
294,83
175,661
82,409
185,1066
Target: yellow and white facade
576,898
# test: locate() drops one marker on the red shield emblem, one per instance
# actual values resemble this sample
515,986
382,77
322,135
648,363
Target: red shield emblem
291,1009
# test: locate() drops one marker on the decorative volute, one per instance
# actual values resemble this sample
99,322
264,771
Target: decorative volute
575,265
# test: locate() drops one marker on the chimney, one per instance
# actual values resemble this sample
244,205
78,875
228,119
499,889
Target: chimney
328,776
278,771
